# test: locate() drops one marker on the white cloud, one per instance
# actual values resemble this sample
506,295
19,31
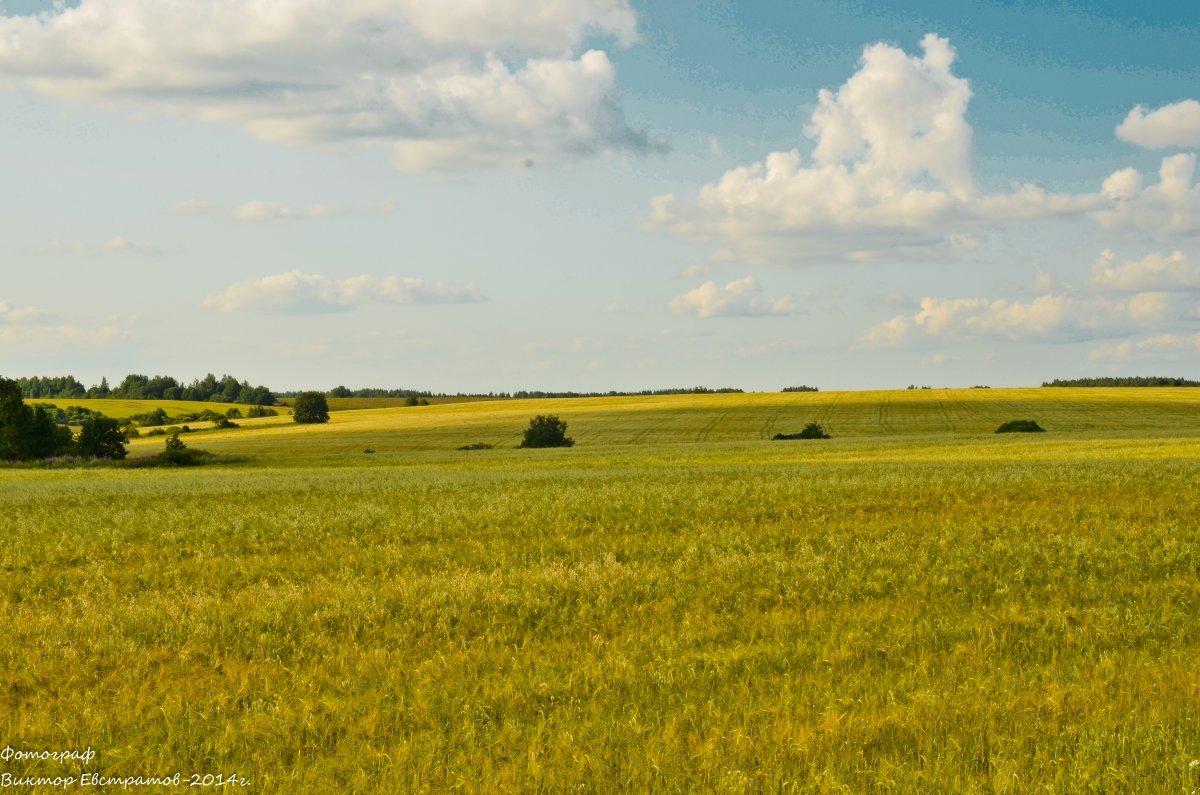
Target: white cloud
1151,272
29,328
296,292
889,333
449,85
1169,208
1161,346
1177,124
261,211
1053,317
890,175
117,245
739,298
10,314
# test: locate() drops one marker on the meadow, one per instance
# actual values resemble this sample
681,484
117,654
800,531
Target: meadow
675,604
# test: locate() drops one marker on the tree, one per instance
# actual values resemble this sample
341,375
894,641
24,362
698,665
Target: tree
45,438
101,437
311,407
546,431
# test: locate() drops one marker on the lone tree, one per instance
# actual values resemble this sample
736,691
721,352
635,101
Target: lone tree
546,430
101,437
311,407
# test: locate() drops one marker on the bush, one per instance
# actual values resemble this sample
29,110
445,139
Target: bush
259,411
310,408
1021,426
483,446
546,431
811,431
176,453
151,419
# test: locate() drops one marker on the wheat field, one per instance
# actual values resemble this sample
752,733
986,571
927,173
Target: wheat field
676,604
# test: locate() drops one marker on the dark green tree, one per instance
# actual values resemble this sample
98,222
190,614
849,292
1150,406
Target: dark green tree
45,438
101,437
546,430
311,407
15,419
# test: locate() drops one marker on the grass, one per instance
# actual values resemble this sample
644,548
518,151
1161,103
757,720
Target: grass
676,604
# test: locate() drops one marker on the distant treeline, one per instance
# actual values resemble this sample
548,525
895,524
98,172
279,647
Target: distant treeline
799,389
692,390
225,389
1128,381
345,392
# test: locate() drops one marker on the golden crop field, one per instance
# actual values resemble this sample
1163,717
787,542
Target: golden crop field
347,403
675,604
127,408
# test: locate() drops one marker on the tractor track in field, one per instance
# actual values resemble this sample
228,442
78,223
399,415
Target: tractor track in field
884,415
940,405
768,429
827,411
707,430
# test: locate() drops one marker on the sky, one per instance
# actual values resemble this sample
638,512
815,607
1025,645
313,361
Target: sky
593,195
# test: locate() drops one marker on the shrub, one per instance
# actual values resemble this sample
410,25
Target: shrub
310,408
811,431
1021,426
176,453
484,446
546,431
151,419
259,411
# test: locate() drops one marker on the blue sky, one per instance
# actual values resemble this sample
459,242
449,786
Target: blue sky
599,194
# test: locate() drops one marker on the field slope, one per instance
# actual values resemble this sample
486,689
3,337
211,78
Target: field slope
676,604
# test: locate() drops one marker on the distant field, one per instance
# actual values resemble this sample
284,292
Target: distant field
680,419
676,604
350,403
127,408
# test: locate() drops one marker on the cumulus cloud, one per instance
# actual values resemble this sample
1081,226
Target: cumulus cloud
738,298
10,314
117,245
48,337
1170,207
1161,346
296,292
28,328
451,85
1053,317
1177,124
889,174
260,211
1152,272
